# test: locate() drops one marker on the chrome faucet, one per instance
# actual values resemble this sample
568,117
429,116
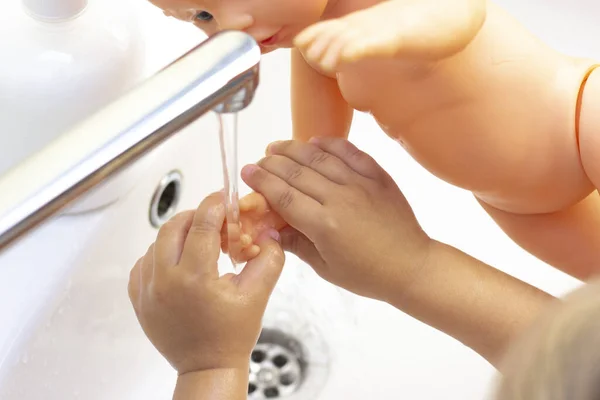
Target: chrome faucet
221,74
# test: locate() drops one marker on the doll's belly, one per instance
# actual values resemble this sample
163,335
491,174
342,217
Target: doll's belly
509,172
502,127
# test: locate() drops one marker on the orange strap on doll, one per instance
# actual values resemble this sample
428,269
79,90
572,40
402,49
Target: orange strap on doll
587,74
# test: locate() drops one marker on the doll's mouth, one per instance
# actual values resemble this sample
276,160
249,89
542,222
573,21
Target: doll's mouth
270,41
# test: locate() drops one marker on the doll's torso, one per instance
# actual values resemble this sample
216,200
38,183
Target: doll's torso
496,119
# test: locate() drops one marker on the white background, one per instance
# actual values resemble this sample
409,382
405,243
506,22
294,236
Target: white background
85,342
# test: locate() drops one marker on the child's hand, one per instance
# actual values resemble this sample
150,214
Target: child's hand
196,319
350,221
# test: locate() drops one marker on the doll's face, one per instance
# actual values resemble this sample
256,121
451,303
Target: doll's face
272,23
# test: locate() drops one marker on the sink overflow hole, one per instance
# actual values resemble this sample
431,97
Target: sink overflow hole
165,199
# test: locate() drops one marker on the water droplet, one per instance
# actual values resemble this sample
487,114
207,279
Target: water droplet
25,358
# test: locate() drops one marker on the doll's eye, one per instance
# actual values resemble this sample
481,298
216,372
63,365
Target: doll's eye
204,16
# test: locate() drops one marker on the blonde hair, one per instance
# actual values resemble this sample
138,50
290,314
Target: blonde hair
559,358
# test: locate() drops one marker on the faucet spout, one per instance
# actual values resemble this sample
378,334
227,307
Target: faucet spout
221,74
239,100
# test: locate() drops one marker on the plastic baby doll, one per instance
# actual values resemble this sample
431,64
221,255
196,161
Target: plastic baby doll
205,325
470,94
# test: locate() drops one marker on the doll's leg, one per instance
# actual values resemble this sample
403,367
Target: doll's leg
422,29
567,239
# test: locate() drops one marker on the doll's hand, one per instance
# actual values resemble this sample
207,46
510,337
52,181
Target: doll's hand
196,319
255,218
347,217
423,29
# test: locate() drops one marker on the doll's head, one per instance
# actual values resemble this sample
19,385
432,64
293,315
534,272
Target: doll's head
559,358
273,23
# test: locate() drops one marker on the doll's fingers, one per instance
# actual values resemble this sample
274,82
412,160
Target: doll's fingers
309,34
332,57
253,202
321,45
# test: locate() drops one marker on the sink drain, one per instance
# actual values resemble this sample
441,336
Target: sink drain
165,199
276,366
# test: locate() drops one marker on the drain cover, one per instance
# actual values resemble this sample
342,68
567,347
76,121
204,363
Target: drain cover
276,366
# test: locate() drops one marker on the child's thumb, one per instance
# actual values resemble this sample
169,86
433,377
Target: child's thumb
260,275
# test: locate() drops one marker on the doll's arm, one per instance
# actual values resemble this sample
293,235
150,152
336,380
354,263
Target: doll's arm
566,239
318,108
424,30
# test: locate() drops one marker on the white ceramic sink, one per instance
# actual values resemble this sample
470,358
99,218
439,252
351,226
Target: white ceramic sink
67,330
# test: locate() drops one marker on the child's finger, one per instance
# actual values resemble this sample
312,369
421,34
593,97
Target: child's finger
349,154
260,274
313,157
302,178
203,242
247,254
170,240
296,208
135,283
147,267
